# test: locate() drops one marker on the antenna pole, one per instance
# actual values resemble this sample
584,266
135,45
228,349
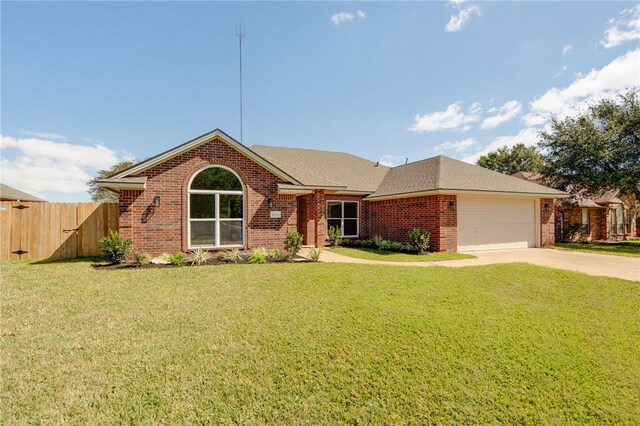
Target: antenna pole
240,34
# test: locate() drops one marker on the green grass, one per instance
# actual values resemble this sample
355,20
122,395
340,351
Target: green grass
625,248
317,344
392,256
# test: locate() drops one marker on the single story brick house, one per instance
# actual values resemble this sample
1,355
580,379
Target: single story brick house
603,217
212,192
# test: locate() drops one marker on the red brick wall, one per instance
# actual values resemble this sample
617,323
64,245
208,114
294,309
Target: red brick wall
164,229
599,219
547,222
393,219
307,217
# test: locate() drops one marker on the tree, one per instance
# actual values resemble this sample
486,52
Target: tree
596,150
102,195
519,158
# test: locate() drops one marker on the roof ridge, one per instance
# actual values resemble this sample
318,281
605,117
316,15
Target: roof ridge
319,150
438,183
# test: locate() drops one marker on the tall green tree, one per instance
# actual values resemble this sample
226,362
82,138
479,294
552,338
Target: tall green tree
596,150
102,195
518,158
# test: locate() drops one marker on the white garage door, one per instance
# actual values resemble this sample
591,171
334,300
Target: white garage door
495,223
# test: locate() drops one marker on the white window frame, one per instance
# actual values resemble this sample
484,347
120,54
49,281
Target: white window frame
619,220
586,227
216,219
342,218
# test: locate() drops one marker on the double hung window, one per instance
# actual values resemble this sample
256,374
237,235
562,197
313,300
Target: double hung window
343,215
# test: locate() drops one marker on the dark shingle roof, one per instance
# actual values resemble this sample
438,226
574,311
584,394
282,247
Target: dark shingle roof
444,173
325,168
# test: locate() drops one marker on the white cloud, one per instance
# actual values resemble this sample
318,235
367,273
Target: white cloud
456,3
506,112
528,136
475,108
342,17
559,73
566,49
458,21
458,146
45,135
611,80
48,166
392,160
451,119
622,30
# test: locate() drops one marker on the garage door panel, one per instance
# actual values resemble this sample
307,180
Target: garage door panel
495,223
504,217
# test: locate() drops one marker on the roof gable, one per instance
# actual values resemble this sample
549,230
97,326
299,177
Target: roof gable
193,143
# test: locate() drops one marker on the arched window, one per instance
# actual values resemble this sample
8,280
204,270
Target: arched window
216,212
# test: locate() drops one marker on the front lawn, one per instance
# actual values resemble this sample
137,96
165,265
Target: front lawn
317,344
624,248
392,256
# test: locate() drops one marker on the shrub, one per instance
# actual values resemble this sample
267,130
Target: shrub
419,240
115,248
392,246
140,257
199,257
334,235
293,242
570,232
233,255
278,255
314,254
377,241
258,255
176,259
347,242
364,243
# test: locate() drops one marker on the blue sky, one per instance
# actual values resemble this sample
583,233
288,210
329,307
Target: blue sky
85,85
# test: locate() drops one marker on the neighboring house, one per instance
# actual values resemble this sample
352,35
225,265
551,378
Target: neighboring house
591,218
8,193
213,192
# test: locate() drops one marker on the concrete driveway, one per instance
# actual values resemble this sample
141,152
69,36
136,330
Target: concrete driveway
627,268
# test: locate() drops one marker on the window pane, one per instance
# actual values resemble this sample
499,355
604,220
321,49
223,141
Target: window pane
585,216
350,227
203,206
334,222
230,206
230,232
216,178
334,210
351,209
203,233
620,220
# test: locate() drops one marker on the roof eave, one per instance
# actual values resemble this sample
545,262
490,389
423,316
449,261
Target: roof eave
119,186
443,191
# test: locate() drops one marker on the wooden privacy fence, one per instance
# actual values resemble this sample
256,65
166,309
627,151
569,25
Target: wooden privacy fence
30,230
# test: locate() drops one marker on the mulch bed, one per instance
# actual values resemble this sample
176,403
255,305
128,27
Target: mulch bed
214,261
